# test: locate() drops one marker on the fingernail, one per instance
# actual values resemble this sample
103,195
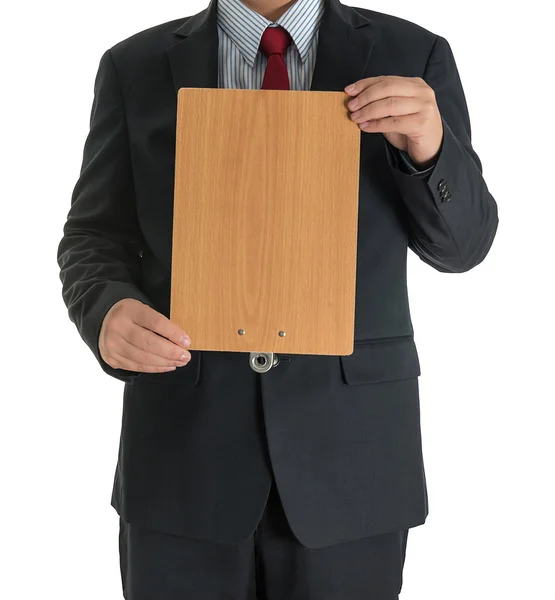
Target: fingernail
353,104
350,88
355,115
184,341
184,357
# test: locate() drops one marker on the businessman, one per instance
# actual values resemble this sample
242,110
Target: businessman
302,482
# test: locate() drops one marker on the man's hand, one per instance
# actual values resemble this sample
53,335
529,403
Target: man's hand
135,337
404,109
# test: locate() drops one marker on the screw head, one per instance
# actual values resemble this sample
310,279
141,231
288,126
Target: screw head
282,334
241,332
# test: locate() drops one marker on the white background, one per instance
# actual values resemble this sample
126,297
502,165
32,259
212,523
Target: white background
485,337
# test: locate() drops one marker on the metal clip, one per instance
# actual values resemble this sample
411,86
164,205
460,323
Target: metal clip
262,362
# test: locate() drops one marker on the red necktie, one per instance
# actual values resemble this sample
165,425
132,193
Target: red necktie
274,43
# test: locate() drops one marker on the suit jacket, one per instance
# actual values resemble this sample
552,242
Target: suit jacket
341,434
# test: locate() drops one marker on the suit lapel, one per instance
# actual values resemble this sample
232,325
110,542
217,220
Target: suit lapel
194,58
345,43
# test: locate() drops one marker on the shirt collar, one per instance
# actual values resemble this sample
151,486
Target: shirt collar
245,26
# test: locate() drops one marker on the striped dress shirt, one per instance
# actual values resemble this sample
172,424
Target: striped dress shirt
240,63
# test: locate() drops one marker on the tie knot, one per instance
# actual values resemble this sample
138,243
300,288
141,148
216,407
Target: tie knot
275,40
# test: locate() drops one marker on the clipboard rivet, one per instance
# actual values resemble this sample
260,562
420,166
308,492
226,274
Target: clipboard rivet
282,334
241,332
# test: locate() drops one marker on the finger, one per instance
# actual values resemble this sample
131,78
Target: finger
391,106
151,319
141,360
362,84
405,124
124,363
147,341
399,86
145,357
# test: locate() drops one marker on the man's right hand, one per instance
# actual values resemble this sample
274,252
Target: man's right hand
135,337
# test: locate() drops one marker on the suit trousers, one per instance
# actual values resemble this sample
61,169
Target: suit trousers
269,565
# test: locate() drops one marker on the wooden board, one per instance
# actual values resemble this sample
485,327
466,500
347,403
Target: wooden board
265,220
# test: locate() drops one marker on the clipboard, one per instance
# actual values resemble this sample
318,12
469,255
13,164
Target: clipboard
265,221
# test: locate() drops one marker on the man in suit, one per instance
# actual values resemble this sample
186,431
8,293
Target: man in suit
301,482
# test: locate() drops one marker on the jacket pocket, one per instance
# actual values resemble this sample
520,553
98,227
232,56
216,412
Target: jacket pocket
373,361
188,375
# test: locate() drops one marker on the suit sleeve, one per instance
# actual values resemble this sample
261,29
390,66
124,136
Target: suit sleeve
452,215
401,160
100,252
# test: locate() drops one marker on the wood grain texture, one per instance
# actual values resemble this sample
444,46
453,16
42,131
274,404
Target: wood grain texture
265,220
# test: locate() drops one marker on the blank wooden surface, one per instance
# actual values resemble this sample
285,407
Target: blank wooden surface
265,220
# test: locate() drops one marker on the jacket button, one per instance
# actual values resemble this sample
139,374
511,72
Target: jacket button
445,196
441,186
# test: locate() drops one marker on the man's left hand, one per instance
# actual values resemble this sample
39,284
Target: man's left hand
404,109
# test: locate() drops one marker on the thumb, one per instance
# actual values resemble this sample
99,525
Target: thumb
398,140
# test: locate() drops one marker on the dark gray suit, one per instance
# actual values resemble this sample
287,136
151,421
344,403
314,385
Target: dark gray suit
341,434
